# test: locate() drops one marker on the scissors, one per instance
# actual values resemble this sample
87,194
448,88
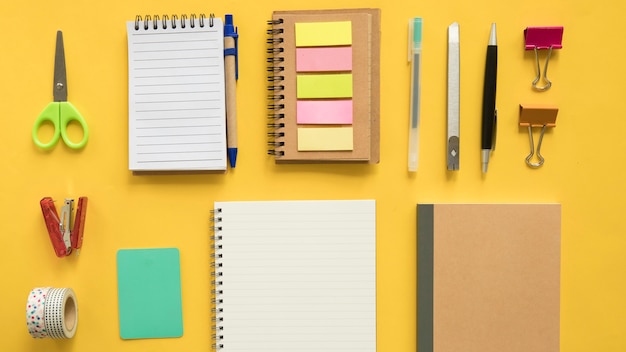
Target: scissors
60,112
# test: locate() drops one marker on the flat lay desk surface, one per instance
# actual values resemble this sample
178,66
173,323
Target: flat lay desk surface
584,169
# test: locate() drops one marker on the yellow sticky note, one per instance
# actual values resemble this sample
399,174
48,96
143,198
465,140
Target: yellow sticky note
323,33
326,138
316,86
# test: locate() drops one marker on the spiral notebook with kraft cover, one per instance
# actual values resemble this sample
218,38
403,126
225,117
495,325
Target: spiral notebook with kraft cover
488,277
324,78
176,94
294,276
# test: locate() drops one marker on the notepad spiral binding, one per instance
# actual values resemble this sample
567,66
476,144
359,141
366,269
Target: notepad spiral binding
275,78
162,22
216,282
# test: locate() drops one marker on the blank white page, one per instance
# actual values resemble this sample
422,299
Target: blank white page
297,275
176,99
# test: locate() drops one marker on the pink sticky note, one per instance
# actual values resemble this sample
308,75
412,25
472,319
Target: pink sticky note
324,111
324,59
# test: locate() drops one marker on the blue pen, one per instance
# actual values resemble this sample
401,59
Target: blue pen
231,69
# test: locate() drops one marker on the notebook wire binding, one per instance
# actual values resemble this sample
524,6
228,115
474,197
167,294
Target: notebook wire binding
217,329
155,22
275,87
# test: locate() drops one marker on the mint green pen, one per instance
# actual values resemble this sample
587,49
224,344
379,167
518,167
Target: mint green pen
415,58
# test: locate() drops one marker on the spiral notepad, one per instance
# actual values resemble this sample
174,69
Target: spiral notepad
294,276
324,85
176,98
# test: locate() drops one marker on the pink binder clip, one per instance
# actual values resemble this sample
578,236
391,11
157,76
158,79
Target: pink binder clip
541,38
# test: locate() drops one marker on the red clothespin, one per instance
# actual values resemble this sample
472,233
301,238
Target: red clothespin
542,38
65,233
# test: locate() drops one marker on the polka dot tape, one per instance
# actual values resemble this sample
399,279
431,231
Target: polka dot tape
52,312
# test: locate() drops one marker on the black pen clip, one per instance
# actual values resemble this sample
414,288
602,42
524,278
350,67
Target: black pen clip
495,129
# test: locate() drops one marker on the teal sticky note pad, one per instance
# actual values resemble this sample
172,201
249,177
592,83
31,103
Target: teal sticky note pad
149,293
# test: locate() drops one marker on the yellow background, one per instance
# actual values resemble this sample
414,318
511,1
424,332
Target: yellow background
584,167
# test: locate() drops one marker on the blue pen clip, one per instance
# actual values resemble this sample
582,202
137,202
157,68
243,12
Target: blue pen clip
231,31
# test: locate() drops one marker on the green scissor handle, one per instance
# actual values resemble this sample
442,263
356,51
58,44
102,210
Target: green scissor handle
60,114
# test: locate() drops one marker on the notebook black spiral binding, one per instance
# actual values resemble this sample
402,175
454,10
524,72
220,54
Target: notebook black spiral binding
216,283
275,87
162,22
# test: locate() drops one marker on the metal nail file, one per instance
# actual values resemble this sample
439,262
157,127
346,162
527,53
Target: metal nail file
454,73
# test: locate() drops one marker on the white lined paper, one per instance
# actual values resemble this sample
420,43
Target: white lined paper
177,114
297,275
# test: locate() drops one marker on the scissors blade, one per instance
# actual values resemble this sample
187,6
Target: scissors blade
59,90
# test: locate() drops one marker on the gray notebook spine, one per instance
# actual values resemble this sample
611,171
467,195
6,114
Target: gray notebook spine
425,257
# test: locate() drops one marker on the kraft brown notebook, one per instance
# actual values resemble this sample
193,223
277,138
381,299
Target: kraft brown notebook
488,277
324,85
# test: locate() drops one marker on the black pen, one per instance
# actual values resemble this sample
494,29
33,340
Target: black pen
490,114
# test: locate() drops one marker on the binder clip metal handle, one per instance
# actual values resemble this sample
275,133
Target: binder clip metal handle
537,116
545,72
542,38
532,148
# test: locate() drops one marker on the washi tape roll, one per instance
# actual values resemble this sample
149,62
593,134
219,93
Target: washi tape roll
52,312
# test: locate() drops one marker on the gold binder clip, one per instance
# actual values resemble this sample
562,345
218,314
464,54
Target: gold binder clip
537,116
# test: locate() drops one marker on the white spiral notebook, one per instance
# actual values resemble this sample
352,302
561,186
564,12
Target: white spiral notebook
176,94
295,276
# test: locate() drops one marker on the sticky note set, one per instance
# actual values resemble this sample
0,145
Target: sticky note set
149,293
324,86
